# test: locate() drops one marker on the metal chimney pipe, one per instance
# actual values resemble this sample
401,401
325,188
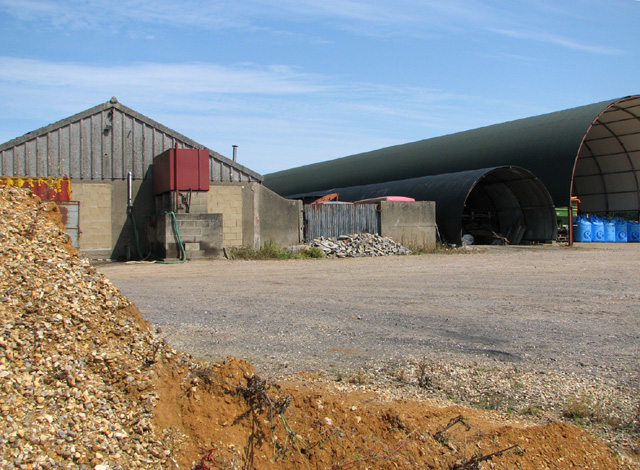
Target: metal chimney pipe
235,152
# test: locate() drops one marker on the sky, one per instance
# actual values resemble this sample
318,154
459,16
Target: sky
293,82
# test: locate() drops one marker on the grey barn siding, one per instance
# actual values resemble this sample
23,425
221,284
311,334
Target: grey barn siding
104,143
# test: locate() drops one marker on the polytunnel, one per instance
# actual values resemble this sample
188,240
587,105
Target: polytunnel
592,152
490,204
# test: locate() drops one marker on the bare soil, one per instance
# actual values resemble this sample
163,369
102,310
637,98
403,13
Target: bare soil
231,422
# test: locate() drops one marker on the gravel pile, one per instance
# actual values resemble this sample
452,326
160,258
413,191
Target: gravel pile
359,244
76,382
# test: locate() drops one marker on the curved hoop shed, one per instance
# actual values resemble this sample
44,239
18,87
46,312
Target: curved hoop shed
592,152
489,203
606,176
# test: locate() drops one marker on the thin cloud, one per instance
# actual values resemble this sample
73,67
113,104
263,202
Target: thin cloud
410,18
197,80
562,41
400,18
106,14
244,88
176,79
352,10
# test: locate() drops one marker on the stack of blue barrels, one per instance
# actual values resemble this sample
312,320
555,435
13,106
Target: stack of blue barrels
595,229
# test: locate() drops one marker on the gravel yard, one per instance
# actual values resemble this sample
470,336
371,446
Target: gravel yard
546,333
565,309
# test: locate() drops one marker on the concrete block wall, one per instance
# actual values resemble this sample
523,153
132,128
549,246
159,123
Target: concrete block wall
196,202
125,246
247,214
272,218
199,202
413,224
95,238
254,215
204,230
164,202
227,200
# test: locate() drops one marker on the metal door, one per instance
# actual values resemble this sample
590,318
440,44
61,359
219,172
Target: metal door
71,220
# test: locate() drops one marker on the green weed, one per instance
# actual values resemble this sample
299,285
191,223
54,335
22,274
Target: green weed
583,408
272,250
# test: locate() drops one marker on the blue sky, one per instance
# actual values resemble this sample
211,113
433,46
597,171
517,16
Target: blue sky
293,82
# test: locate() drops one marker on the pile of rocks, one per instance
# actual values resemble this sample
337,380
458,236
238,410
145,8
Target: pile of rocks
359,244
76,375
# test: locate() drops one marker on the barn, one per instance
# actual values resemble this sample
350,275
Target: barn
591,153
113,210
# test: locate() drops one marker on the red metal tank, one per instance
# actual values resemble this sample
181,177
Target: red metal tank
182,170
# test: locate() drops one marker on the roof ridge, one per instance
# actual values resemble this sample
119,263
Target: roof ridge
115,104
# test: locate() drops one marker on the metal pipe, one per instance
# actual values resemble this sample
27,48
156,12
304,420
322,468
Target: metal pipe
235,152
571,222
175,178
129,185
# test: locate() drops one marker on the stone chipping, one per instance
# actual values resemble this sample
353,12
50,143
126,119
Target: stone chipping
76,382
358,245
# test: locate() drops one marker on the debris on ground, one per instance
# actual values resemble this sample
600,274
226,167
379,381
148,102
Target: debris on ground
359,244
85,384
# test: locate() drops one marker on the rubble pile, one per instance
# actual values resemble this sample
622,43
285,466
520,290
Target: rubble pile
359,244
76,382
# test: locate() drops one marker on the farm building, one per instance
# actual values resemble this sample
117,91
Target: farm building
518,201
590,152
103,158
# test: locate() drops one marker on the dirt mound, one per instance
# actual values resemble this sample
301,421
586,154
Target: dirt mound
239,421
85,384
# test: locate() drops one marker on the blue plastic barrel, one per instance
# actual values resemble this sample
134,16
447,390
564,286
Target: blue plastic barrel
621,230
633,231
597,229
581,229
609,230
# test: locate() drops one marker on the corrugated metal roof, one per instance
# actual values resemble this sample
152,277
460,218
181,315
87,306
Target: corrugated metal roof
104,142
600,141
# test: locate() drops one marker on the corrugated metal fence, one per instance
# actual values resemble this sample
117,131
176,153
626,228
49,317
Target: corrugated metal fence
333,220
